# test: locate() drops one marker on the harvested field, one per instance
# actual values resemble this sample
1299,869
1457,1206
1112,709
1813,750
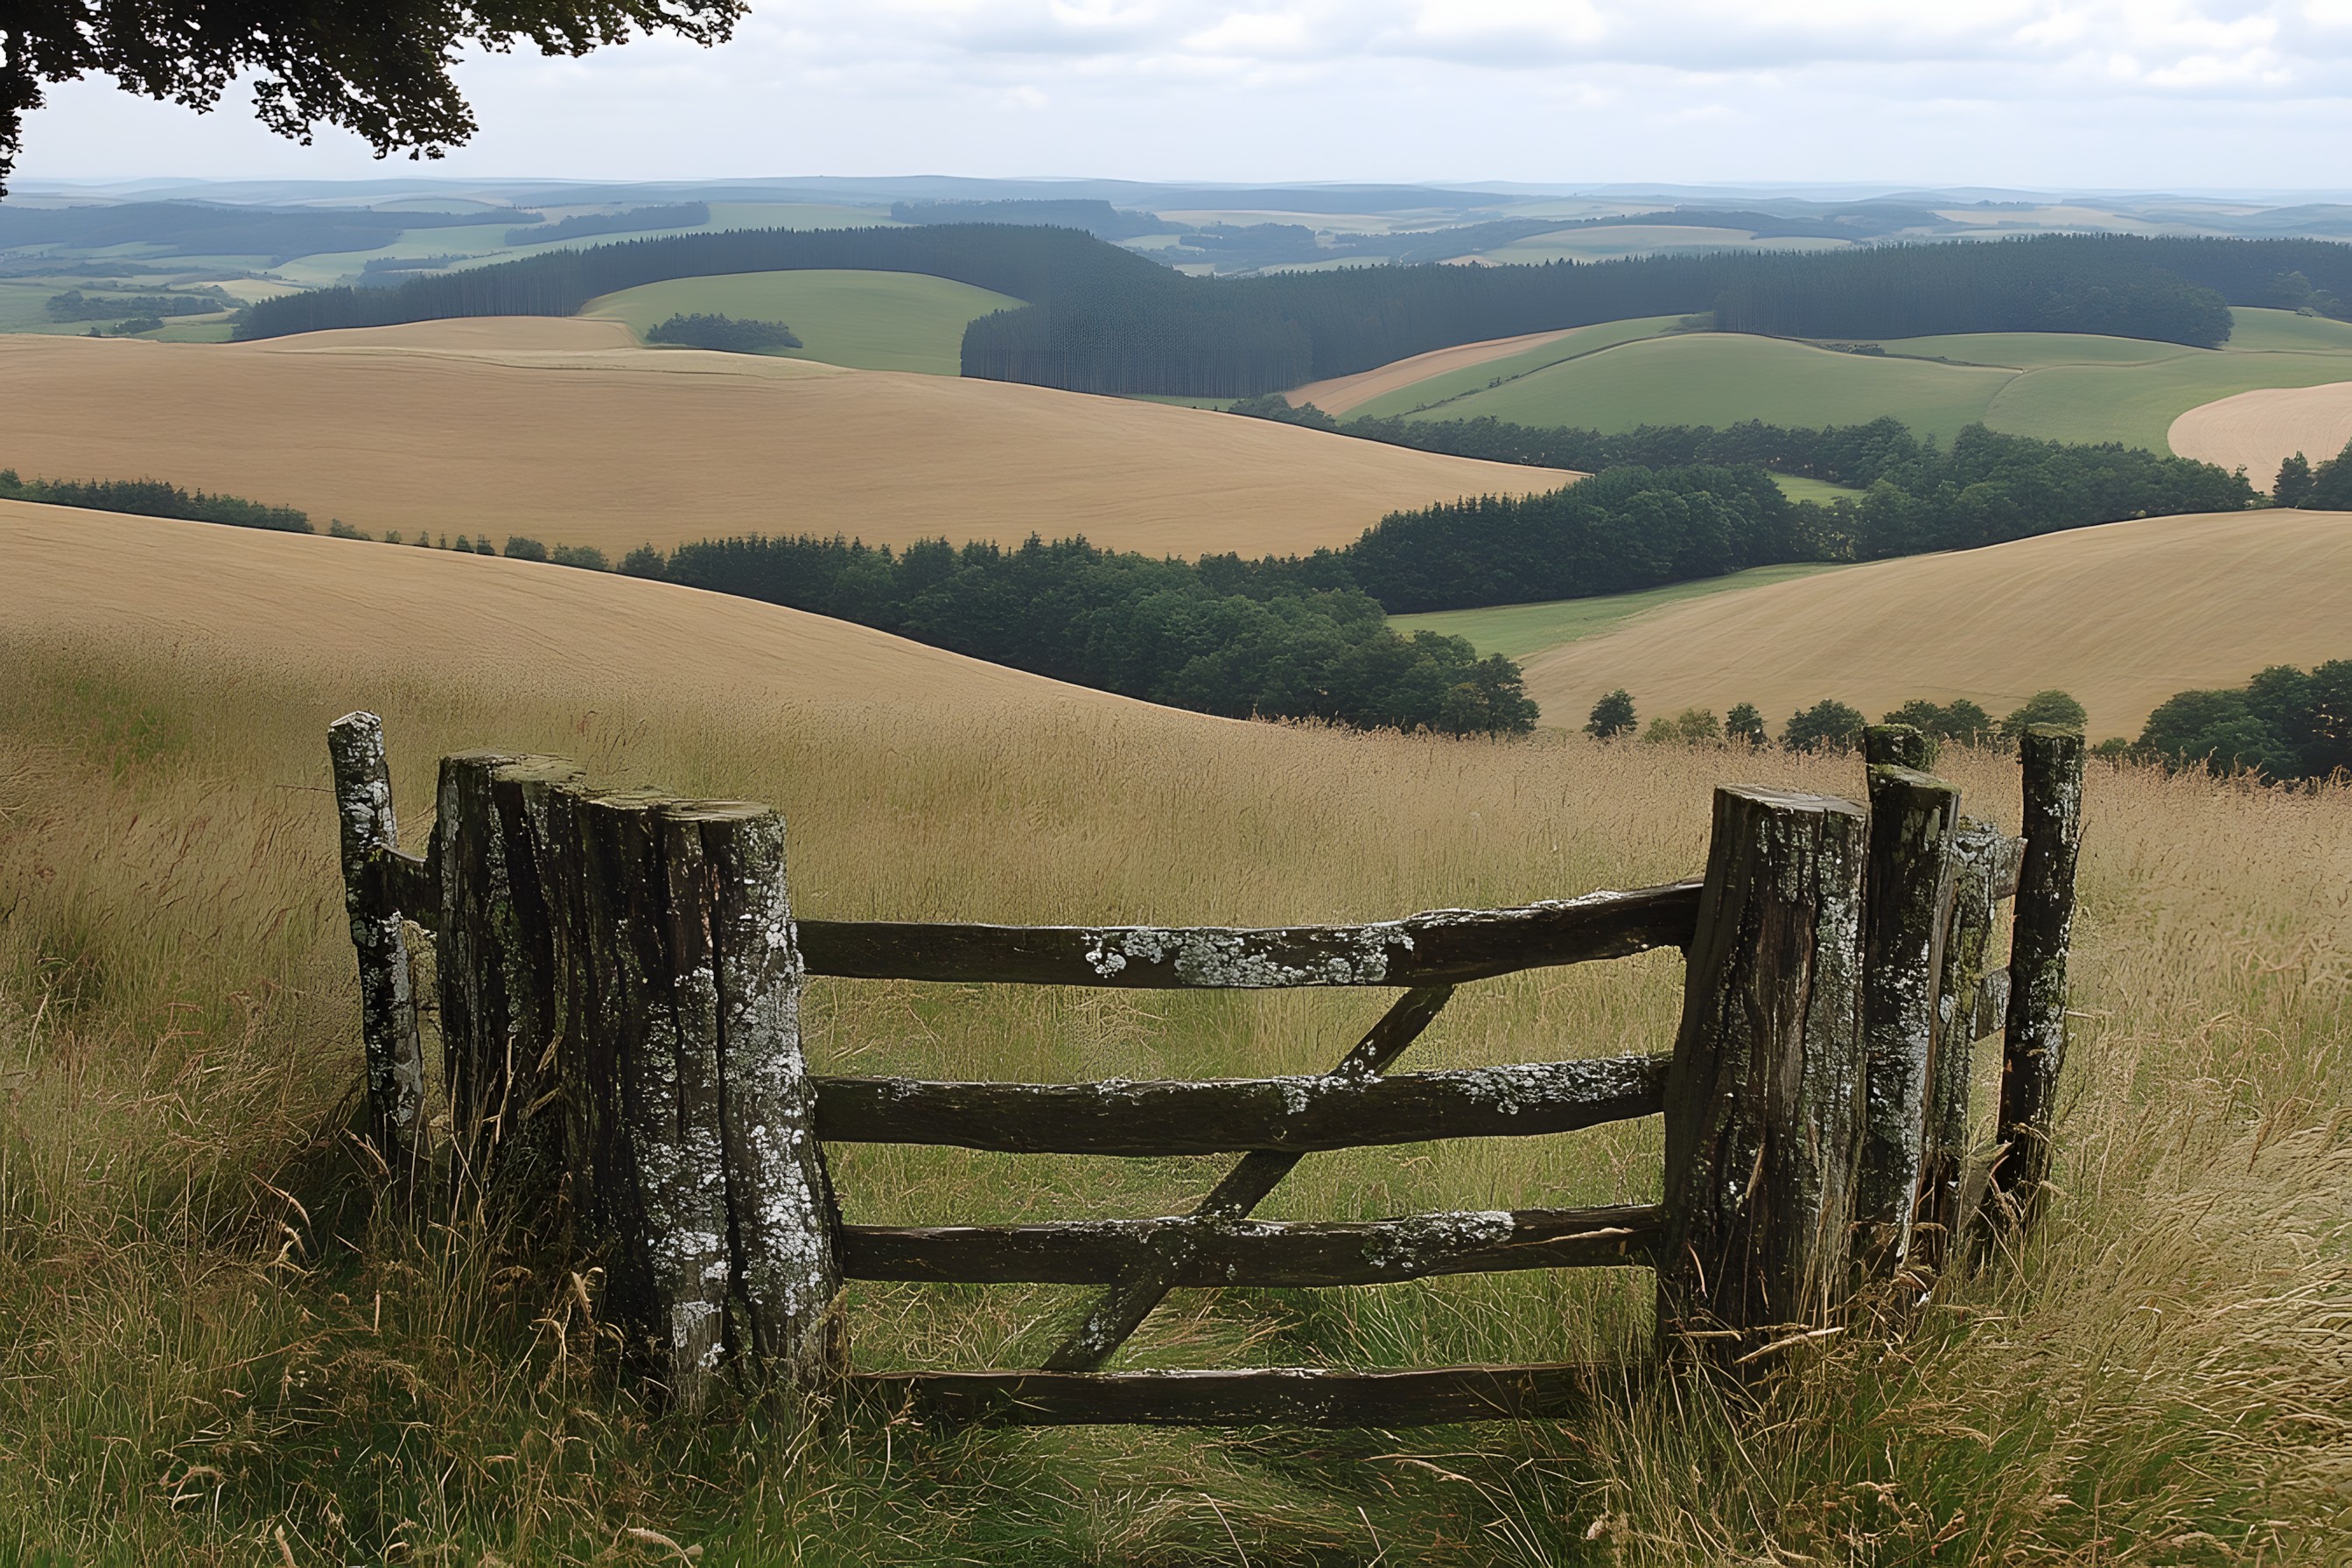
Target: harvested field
2257,431
225,595
559,431
2121,616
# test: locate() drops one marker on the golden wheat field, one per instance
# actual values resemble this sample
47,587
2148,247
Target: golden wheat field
2257,431
563,432
2121,616
218,1352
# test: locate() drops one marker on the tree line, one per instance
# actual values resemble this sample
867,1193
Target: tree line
154,498
1710,508
1098,317
1831,725
2327,487
2285,723
1214,638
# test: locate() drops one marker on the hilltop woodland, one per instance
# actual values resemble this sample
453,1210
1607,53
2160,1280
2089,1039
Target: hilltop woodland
1102,319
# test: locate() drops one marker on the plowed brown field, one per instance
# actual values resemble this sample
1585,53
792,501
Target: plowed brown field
560,431
2122,615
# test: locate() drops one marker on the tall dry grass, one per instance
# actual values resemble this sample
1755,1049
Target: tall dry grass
211,1352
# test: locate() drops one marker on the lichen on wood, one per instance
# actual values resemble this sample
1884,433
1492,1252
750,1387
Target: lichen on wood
1764,1097
393,1053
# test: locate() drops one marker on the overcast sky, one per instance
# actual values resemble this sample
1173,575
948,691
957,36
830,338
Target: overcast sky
2134,94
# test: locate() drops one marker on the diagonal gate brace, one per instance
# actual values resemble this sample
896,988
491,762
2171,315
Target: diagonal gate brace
1121,1309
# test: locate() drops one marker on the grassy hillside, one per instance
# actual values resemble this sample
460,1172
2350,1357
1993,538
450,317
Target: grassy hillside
870,321
2059,387
557,430
1514,631
1721,378
2122,615
210,1342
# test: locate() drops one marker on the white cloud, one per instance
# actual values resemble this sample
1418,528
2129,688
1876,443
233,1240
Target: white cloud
2051,92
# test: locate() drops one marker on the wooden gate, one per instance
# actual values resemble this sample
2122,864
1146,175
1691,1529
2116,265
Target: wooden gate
620,973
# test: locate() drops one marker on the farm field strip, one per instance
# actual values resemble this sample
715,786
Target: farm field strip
2122,615
2259,430
554,430
866,320
1433,378
1517,631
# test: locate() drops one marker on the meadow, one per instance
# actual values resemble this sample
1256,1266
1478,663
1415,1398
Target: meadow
1515,631
2122,615
1430,380
868,321
563,431
2057,387
218,1354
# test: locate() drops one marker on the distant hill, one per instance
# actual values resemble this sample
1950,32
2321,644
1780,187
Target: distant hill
2122,615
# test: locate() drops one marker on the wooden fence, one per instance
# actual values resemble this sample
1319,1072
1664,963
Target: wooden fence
619,976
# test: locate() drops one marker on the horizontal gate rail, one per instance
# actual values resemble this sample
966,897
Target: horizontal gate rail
1288,1396
1439,947
1255,1253
1288,1114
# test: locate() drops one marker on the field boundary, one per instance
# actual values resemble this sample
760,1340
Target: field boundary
619,976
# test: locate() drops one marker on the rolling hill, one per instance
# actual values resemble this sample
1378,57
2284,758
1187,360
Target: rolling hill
868,321
377,612
562,431
2055,385
2121,616
2259,430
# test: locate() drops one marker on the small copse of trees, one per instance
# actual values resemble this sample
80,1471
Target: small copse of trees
724,333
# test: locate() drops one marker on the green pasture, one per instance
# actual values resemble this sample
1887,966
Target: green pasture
1722,378
1641,240
2055,385
1451,384
868,321
1517,631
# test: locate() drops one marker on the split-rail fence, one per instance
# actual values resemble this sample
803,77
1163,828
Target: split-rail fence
619,976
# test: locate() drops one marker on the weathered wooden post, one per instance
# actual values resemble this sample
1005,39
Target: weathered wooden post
2035,1052
692,1118
1764,1099
1968,1003
1897,746
394,1056
1906,891
497,968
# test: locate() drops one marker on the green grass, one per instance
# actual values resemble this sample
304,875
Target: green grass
1517,631
869,320
1798,489
1455,383
2056,385
23,307
1721,378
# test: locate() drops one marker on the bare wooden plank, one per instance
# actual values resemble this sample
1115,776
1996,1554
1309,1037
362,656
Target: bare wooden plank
2034,1054
1764,1102
394,1054
1116,1314
1287,1397
1908,886
1209,1251
1439,947
1293,1114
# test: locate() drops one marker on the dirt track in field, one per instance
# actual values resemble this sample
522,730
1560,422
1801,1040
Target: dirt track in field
2257,431
562,431
2122,615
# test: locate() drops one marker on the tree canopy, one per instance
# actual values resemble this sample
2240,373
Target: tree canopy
378,71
